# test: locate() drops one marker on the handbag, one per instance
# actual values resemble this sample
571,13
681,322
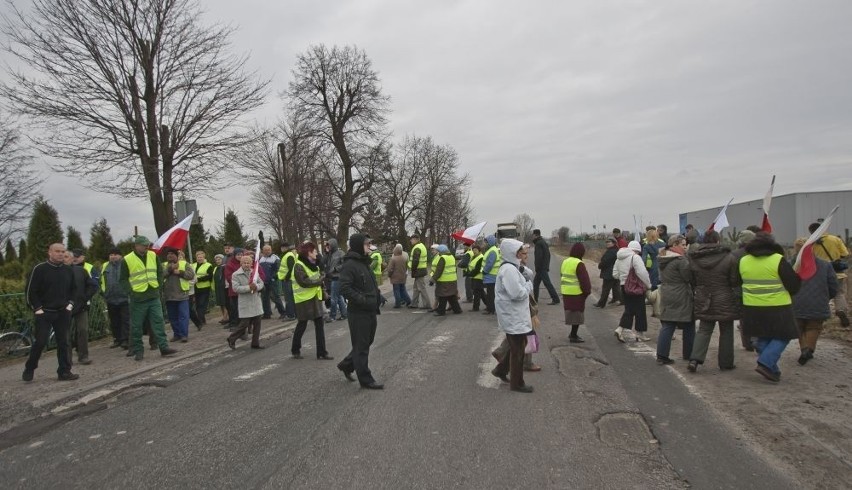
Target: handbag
838,265
633,285
532,344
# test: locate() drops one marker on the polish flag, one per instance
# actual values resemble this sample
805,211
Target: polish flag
805,264
175,236
254,271
721,221
767,202
469,235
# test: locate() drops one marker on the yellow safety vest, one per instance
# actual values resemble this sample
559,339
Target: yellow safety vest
377,269
302,294
761,284
449,273
204,270
477,259
103,279
435,261
142,275
421,263
469,254
283,269
570,281
88,268
184,284
497,260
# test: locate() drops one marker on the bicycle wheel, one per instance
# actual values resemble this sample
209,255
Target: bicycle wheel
14,344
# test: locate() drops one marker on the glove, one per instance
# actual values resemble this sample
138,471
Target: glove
69,307
431,283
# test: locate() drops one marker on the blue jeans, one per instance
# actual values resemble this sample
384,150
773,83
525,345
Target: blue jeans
400,295
179,317
664,339
337,300
770,350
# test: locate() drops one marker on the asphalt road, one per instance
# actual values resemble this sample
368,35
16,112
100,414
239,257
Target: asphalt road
602,415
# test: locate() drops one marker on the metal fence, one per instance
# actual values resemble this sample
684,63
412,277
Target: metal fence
15,315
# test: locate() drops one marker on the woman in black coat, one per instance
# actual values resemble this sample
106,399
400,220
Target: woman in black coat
609,283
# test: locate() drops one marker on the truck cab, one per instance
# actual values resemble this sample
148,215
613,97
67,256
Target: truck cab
506,230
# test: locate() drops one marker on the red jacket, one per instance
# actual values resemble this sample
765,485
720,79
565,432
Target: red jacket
230,267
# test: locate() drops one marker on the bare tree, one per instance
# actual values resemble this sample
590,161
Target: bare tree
137,93
525,226
19,184
337,93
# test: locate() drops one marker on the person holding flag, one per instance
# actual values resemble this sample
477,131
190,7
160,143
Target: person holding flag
832,250
246,282
810,305
177,276
768,282
140,279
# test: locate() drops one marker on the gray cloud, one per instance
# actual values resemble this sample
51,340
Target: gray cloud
571,111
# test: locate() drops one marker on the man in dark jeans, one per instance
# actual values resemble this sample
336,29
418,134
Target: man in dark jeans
118,304
542,268
49,291
358,286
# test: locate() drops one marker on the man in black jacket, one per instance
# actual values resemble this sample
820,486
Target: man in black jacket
358,286
85,289
49,291
542,268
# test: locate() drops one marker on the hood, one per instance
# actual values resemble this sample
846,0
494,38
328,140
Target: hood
332,245
577,250
491,240
509,250
443,249
669,258
763,245
708,255
624,253
635,246
356,243
352,255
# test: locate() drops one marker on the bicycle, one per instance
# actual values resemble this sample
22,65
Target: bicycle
14,344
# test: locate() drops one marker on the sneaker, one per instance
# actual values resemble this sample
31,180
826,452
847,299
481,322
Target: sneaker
692,366
619,335
28,375
68,377
640,337
766,373
664,361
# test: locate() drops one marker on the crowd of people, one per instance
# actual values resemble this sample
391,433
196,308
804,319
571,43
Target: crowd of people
687,278
699,279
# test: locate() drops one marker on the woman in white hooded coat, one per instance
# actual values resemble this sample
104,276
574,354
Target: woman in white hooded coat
634,305
512,291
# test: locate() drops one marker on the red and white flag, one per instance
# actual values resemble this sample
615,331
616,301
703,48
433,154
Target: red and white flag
805,264
175,236
469,235
767,202
254,270
721,221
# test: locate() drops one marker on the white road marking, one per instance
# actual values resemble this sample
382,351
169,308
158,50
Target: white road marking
95,436
254,374
121,432
36,444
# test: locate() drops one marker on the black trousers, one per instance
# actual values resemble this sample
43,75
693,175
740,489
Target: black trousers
634,307
454,304
245,324
119,322
478,293
270,292
489,297
468,288
362,332
202,301
233,313
319,329
607,286
544,277
60,322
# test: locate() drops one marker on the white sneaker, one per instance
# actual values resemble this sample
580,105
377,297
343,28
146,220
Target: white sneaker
618,334
641,338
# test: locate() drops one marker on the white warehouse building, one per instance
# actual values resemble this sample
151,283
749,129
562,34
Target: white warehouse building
789,215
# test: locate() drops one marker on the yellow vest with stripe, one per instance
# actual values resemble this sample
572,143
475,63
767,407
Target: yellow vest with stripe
184,284
570,281
283,269
88,268
421,263
142,275
302,294
449,274
435,262
498,259
761,284
476,260
204,271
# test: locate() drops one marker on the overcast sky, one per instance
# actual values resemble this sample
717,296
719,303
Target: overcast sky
577,113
